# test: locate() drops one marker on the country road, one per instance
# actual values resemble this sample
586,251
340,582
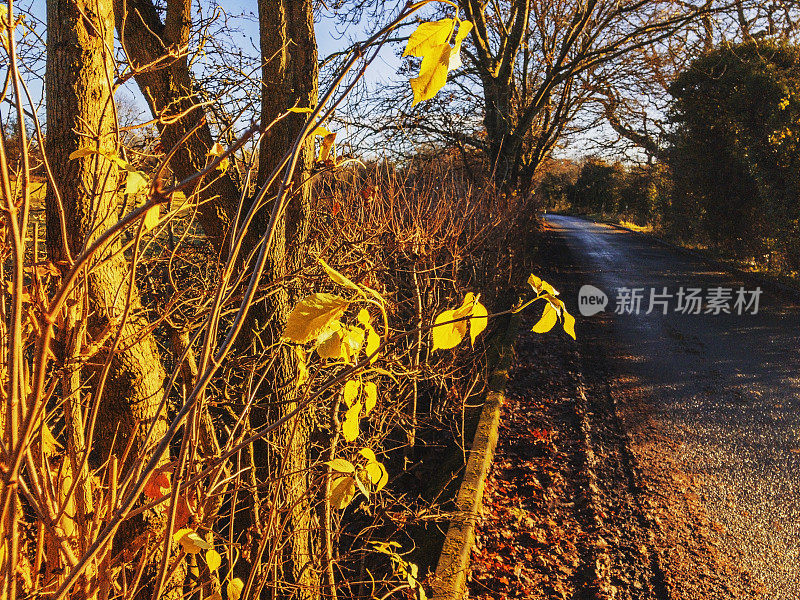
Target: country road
725,386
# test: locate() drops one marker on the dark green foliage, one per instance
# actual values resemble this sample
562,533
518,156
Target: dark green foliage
637,193
598,187
734,151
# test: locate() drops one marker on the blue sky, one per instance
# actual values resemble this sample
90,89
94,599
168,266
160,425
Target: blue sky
243,16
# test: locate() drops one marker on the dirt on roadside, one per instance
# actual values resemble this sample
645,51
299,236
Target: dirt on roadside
584,500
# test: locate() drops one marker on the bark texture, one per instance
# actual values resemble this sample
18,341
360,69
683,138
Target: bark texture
80,114
289,52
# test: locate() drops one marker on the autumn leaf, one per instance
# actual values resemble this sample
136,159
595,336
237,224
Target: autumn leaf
373,339
368,454
353,340
548,319
447,334
464,27
135,181
216,151
82,152
152,217
157,482
326,146
478,322
341,280
373,344
183,511
377,475
331,343
432,74
235,587
311,315
569,324
370,396
351,391
428,36
540,286
351,422
341,465
190,541
213,560
360,484
342,491
431,42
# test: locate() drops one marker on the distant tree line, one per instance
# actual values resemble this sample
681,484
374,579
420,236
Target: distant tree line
729,174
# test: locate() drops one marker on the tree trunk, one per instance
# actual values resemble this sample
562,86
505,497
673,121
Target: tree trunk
289,52
501,143
158,53
80,114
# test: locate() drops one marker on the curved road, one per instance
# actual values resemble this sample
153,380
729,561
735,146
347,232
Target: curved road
727,385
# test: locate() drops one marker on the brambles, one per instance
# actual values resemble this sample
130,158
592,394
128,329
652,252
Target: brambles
198,407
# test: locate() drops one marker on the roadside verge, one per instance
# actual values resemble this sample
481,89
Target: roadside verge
449,582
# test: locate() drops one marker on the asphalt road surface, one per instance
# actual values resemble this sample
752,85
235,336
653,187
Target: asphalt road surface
727,385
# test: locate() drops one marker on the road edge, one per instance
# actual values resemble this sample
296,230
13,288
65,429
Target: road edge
750,276
450,577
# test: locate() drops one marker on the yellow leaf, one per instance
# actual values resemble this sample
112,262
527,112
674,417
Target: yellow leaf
341,280
569,324
152,217
467,305
368,454
428,36
311,315
321,131
360,484
351,391
49,443
135,181
354,339
370,396
342,491
341,465
235,587
373,343
326,146
447,335
432,74
351,422
213,560
82,152
450,335
549,318
541,286
297,109
331,343
478,321
190,541
302,366
180,533
216,151
464,27
377,475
